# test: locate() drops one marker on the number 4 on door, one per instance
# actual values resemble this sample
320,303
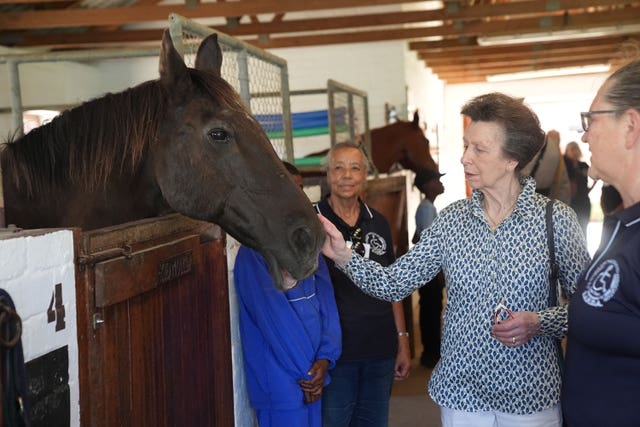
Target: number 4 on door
55,312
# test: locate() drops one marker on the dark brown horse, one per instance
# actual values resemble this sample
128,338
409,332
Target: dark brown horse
402,143
183,143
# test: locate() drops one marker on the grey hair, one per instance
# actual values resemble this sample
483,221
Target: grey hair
624,89
523,135
339,146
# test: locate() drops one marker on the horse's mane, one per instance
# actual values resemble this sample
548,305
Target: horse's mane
86,144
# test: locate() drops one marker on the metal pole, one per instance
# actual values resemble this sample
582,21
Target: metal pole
16,99
352,118
286,113
367,136
243,77
331,112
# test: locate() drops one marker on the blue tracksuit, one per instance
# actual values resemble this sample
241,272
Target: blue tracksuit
283,334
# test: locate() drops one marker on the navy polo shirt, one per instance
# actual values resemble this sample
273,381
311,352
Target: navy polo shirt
368,326
601,386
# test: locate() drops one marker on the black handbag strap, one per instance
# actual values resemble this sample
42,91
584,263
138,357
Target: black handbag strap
536,165
553,272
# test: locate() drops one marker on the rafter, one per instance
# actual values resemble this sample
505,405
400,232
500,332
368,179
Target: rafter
497,52
134,14
516,69
456,56
578,21
513,61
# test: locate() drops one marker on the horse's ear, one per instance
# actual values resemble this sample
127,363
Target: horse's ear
209,57
416,119
172,67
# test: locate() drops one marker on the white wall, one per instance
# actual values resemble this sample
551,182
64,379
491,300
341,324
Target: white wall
376,68
557,101
30,268
425,92
68,83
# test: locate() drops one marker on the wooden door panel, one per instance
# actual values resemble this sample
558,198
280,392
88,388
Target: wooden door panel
125,277
162,356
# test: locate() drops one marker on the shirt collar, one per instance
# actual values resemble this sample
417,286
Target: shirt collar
323,207
629,216
524,205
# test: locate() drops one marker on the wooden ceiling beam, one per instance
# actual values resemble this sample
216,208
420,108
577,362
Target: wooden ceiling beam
610,48
581,21
469,45
459,43
134,14
31,1
596,57
96,38
471,51
516,69
577,21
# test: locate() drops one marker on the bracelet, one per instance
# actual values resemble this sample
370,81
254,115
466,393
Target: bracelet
403,334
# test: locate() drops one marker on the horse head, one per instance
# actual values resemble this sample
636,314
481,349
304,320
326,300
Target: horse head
214,162
185,143
401,142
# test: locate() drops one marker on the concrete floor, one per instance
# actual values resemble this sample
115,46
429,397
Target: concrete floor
410,404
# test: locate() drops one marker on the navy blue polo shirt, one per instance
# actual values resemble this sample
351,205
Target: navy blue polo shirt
601,385
368,326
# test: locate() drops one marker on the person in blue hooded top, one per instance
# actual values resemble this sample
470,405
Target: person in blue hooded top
290,339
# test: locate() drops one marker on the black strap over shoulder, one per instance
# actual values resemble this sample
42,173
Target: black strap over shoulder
553,272
538,160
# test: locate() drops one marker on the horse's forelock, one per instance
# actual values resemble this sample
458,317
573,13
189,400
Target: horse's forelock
217,88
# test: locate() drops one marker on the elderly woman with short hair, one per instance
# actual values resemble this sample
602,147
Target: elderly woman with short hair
500,363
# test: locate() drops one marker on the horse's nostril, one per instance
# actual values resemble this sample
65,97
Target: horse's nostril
301,238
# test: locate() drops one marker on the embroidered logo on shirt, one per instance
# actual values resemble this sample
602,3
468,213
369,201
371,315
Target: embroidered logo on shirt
376,242
602,284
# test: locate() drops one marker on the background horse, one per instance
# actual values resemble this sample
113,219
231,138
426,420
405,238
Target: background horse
403,143
400,143
183,143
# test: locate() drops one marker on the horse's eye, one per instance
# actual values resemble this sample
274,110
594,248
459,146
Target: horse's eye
219,135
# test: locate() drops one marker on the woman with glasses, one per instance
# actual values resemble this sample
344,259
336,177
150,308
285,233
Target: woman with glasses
375,344
602,377
500,360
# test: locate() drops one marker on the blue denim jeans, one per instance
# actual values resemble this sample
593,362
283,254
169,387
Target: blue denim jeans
358,395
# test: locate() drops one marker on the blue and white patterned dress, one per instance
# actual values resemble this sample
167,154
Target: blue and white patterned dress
483,267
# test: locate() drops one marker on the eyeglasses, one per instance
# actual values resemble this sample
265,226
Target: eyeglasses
501,312
587,118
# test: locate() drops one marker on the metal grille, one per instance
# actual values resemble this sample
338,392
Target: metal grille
349,116
260,78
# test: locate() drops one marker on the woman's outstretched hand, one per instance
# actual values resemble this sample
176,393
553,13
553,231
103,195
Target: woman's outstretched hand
334,246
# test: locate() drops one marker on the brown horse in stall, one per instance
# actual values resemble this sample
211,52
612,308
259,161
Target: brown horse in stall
402,143
184,143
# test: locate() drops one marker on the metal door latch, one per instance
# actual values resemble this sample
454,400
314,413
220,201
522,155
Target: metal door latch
97,320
